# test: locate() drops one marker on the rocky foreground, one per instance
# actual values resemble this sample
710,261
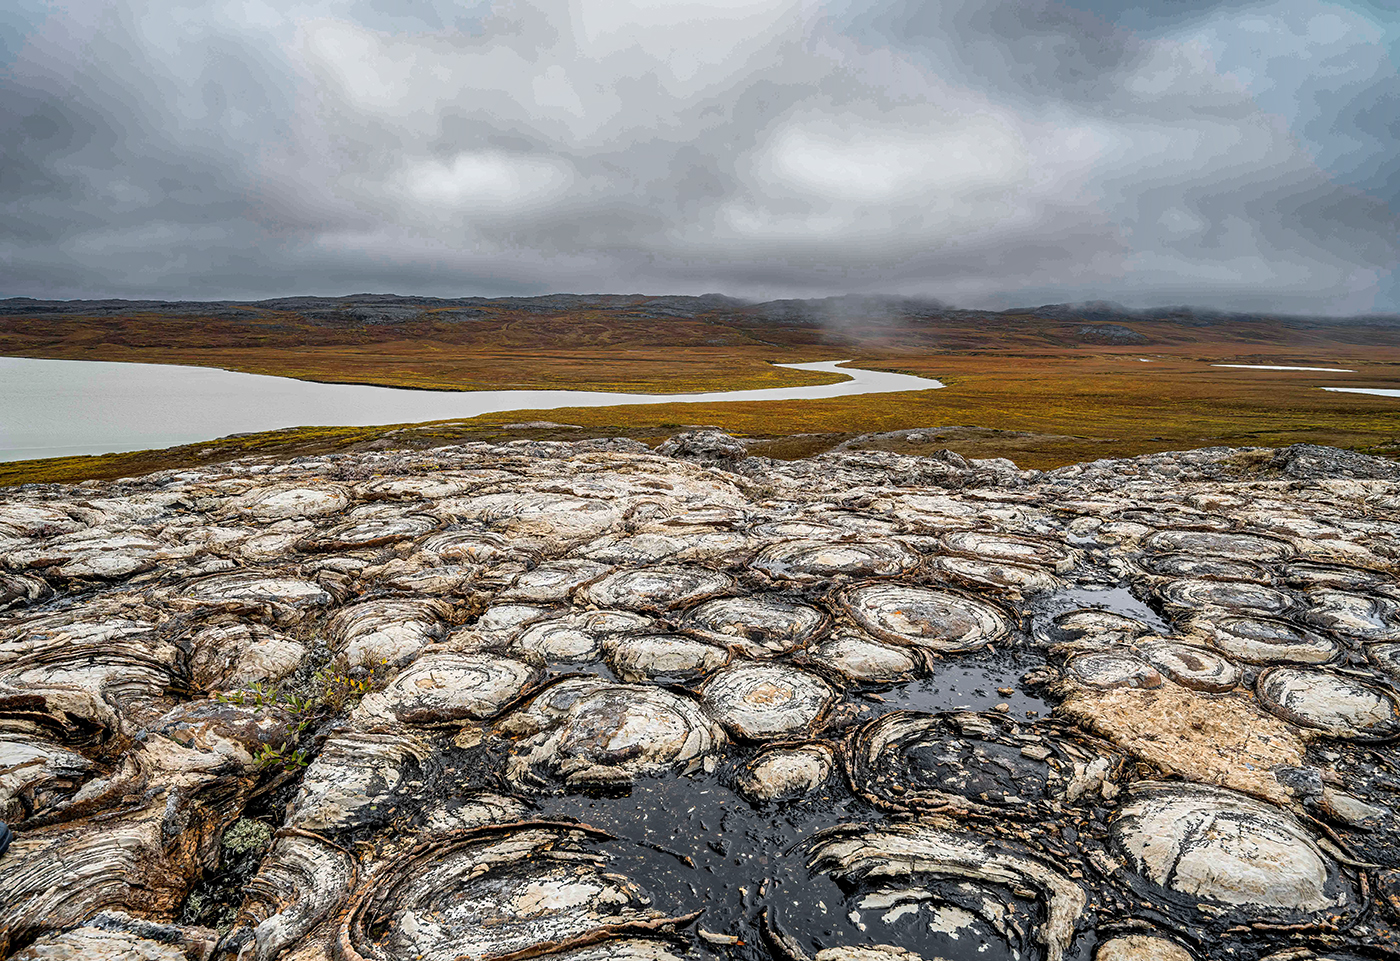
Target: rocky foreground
588,701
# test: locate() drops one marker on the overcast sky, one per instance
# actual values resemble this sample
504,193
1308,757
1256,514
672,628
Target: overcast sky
986,152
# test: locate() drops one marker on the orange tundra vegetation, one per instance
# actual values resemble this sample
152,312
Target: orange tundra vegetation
1044,387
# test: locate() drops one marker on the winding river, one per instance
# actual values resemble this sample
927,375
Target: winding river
57,408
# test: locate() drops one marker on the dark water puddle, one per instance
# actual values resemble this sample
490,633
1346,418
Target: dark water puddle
699,845
968,684
1118,600
693,843
696,844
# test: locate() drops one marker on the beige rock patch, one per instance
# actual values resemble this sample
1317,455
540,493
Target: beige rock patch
1141,947
1213,739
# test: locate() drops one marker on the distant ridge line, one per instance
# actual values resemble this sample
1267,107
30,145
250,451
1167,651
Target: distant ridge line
836,309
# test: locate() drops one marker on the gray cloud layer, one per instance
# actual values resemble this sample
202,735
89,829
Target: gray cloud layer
986,152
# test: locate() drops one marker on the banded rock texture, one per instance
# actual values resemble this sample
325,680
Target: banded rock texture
587,701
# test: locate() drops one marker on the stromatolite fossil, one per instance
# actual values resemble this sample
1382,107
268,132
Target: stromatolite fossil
586,701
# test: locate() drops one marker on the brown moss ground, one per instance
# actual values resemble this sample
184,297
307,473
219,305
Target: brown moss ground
1045,412
1040,412
1041,407
582,350
426,367
633,346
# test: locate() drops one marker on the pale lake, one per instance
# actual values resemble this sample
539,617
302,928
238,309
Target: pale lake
57,408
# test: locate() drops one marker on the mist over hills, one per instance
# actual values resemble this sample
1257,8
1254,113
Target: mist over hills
362,325
845,310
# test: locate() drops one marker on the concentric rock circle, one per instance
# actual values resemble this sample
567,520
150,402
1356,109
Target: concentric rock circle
1189,665
113,561
630,550
721,548
781,773
469,546
1315,575
918,616
1114,669
542,514
370,532
762,701
1230,595
1179,522
1092,624
1198,567
1355,615
234,654
21,590
1245,547
490,892
1335,704
899,863
1264,640
588,733
377,632
799,559
284,598
911,761
1207,843
799,528
653,657
657,588
860,658
432,487
1004,547
1386,658
760,625
997,575
284,501
509,618
554,582
578,636
442,688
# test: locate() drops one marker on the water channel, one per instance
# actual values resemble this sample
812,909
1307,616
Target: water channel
1373,391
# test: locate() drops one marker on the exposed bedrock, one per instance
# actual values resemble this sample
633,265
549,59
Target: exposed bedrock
586,701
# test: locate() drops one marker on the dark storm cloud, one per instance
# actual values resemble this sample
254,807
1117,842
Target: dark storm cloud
980,151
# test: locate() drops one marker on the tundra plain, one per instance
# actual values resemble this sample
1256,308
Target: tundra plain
1044,386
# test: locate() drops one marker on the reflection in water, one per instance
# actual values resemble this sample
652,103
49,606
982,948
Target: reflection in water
55,408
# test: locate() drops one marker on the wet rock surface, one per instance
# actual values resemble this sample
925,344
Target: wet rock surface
587,701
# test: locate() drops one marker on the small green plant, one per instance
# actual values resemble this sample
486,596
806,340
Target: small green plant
255,695
330,691
289,760
336,688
